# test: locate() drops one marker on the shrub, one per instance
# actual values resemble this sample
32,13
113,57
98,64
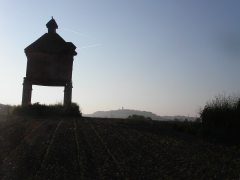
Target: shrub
221,118
37,109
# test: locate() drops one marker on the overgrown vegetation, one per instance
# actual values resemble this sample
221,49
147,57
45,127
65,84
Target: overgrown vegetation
138,117
37,109
220,120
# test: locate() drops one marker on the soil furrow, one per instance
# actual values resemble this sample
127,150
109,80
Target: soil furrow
61,160
26,158
105,165
87,165
13,137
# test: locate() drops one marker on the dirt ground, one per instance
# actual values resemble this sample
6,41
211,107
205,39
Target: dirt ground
96,148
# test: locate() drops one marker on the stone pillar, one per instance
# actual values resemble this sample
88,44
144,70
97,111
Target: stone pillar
27,92
68,95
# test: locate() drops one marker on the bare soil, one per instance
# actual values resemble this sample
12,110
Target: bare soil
96,148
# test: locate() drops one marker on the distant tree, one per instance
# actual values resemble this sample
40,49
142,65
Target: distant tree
148,118
129,117
176,120
186,120
198,120
138,117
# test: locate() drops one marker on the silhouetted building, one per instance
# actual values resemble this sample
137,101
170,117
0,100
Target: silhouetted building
49,63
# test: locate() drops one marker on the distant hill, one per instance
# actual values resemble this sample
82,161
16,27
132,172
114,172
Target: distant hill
124,113
4,108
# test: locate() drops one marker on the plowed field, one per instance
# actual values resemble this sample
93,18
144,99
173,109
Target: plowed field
91,148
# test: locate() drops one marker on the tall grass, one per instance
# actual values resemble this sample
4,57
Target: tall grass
221,117
46,110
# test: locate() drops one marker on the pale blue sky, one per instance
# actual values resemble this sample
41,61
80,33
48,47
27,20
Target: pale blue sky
164,56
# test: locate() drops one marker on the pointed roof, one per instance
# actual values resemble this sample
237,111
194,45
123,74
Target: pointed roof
52,24
51,43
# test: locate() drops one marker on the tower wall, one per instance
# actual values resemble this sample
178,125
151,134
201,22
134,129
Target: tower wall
49,69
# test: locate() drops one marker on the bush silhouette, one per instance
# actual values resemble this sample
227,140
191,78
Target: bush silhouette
221,118
37,109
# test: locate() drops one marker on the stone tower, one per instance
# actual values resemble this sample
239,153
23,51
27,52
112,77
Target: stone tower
49,63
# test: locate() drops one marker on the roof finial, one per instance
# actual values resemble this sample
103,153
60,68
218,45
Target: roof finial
52,26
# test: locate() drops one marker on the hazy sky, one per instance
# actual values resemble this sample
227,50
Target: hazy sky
164,56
